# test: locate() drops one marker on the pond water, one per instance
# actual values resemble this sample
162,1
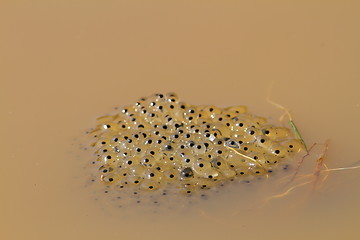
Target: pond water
65,64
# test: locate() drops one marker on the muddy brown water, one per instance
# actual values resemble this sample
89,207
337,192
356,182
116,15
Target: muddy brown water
62,65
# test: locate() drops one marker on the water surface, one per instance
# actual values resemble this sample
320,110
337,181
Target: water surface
64,64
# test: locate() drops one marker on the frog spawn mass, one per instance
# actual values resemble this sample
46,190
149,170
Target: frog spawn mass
161,143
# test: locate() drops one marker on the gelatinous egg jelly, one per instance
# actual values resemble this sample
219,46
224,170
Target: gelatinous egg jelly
161,142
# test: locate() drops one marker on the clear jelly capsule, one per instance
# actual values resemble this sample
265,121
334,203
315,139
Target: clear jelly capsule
139,150
183,106
263,141
125,153
217,142
200,166
189,143
171,175
240,124
149,184
204,183
247,148
103,143
229,114
270,161
238,135
109,178
186,173
155,153
187,160
210,111
114,138
220,151
242,170
211,135
199,148
167,162
210,174
106,169
223,129
232,143
252,131
169,120
160,107
137,170
103,121
167,147
134,180
158,97
228,173
278,150
125,144
139,105
108,158
236,109
262,159
143,126
259,121
153,174
122,174
158,133
148,160
128,162
219,163
152,116
183,151
187,189
123,125
138,137
258,170
104,150
276,133
234,160
172,98
293,145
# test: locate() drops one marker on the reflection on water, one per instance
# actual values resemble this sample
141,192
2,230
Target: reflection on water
65,64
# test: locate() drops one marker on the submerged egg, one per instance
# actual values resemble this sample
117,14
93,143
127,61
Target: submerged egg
162,143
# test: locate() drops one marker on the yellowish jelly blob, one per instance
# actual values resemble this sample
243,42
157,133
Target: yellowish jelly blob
160,143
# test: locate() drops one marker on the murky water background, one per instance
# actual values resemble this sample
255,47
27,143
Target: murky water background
64,64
